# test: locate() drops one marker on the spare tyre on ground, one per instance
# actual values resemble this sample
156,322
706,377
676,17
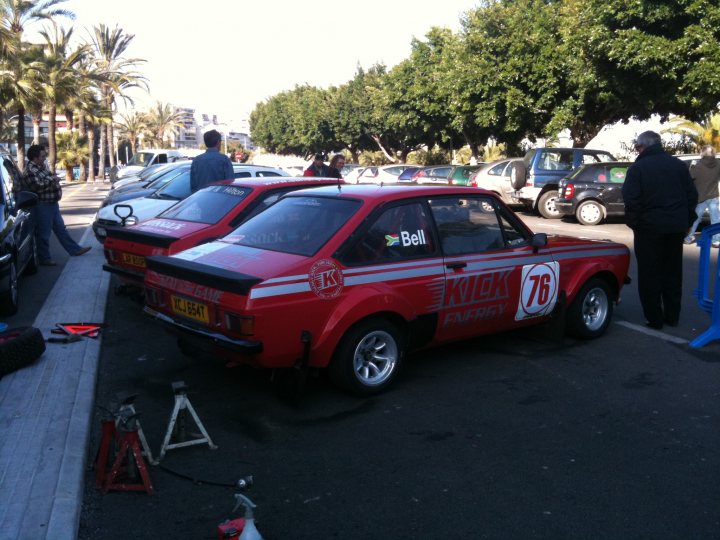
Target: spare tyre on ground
19,347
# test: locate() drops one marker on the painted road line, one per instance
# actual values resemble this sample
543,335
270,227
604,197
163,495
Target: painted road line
655,333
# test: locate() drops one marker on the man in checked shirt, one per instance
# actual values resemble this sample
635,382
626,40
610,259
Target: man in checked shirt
38,179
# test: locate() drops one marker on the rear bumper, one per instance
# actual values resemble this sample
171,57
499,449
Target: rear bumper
565,208
138,277
204,337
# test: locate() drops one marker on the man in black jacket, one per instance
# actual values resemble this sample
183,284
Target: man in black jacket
660,200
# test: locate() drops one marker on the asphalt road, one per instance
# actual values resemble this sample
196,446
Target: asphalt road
521,435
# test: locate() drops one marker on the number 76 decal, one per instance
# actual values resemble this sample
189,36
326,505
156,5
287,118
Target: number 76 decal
538,290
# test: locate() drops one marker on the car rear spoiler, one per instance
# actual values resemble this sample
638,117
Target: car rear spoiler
203,274
144,237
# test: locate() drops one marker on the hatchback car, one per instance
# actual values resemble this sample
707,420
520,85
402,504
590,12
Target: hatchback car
148,186
385,174
495,177
136,210
18,252
350,279
432,175
593,192
204,216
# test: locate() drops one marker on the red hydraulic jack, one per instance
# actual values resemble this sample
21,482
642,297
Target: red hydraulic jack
122,432
75,331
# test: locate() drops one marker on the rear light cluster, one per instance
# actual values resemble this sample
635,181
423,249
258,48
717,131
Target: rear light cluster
110,255
530,181
568,192
240,325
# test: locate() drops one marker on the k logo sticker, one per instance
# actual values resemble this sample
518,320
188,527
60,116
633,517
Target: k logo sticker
326,279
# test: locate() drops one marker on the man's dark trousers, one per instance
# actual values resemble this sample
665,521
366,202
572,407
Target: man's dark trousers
660,261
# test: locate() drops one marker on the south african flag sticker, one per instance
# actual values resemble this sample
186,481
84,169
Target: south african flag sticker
392,239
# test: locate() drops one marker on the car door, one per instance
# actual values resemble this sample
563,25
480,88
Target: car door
494,279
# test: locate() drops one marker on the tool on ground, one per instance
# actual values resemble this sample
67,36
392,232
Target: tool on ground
72,338
176,425
112,437
244,527
128,458
80,329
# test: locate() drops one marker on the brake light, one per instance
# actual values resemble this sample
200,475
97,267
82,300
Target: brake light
110,255
243,326
419,174
569,191
530,181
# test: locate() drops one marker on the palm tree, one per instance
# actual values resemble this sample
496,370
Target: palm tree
131,126
59,78
162,120
72,150
109,47
700,133
15,87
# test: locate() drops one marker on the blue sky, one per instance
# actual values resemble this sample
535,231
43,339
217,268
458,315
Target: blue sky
225,56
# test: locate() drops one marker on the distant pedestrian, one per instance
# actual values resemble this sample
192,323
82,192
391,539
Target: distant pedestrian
336,164
706,175
660,201
38,179
210,166
318,167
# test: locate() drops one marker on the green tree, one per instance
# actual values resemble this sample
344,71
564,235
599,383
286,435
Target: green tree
72,150
16,88
161,122
706,131
131,125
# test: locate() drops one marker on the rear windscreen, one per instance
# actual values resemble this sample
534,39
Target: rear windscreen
209,205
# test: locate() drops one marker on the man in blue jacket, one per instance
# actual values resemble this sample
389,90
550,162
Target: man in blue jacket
660,200
211,166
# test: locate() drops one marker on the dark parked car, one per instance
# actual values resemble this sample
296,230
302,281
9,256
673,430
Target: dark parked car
407,175
593,192
18,252
148,186
536,177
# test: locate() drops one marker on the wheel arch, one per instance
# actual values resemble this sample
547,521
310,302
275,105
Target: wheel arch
596,270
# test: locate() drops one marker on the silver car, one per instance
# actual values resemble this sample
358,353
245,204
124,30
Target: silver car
495,177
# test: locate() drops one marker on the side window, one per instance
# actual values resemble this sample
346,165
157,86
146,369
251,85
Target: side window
497,170
590,158
242,174
467,225
267,173
555,160
161,158
400,232
514,235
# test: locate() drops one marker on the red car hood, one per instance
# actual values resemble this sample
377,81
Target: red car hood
169,227
559,241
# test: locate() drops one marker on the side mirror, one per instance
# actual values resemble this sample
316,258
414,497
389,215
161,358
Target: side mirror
25,199
538,240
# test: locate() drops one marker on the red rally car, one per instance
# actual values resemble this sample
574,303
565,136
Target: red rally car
206,215
352,278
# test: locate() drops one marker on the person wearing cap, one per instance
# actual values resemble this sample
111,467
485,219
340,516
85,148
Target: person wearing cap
318,167
212,166
660,200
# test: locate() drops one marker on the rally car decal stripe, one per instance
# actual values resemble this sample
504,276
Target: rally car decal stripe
428,268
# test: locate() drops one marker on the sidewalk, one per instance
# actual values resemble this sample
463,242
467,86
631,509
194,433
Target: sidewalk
45,411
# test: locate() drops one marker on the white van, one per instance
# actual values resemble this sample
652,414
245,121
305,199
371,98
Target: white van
147,157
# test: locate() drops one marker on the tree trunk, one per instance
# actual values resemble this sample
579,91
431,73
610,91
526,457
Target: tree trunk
36,119
102,150
52,143
91,144
387,154
112,151
21,138
82,129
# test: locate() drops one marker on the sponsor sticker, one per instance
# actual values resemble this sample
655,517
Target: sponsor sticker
326,279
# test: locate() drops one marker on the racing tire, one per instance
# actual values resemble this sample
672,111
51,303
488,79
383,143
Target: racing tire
368,357
19,347
590,213
546,205
33,264
518,175
590,312
9,299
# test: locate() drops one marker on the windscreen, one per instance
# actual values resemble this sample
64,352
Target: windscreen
209,205
299,225
141,159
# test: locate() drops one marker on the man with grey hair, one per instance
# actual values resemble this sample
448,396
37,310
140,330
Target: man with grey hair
660,200
706,174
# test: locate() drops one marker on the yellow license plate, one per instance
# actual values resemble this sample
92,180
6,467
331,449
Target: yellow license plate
189,309
133,260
